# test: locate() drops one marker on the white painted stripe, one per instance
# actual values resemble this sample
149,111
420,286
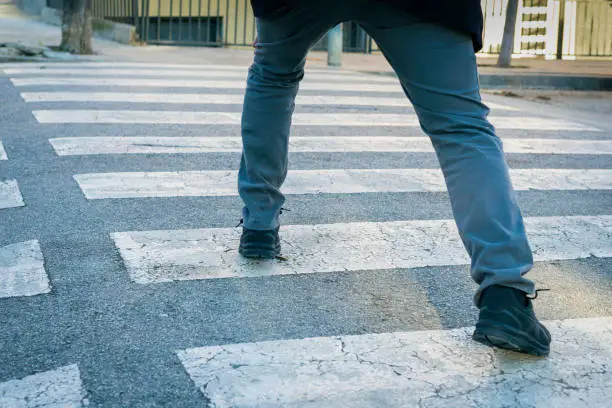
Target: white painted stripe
169,255
2,152
229,99
310,119
182,83
22,270
437,368
8,68
187,74
60,388
174,145
148,145
335,181
10,196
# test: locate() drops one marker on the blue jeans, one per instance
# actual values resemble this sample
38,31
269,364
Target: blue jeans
438,72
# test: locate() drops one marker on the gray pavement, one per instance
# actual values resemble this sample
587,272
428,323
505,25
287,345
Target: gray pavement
581,74
124,336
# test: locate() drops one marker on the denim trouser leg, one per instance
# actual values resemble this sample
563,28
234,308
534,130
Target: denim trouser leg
272,85
438,71
437,68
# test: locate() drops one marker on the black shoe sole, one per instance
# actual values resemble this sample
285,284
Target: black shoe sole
257,252
509,338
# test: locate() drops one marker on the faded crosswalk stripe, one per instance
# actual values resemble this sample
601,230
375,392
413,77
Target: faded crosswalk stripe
22,270
68,146
59,388
2,152
334,181
196,83
168,255
174,98
311,119
188,73
20,67
10,196
442,368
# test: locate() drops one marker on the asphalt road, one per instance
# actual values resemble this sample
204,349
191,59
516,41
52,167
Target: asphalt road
69,298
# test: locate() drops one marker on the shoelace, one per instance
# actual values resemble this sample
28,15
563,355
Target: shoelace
280,213
536,293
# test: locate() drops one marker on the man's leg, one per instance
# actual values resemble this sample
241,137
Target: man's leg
437,68
278,67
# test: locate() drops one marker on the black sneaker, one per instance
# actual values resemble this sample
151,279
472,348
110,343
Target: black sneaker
507,321
259,244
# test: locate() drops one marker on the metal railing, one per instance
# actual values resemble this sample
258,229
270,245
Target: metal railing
198,22
218,23
554,28
121,11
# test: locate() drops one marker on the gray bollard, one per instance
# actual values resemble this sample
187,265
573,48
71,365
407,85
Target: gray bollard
334,46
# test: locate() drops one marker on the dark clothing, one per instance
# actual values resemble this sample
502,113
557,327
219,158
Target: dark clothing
461,15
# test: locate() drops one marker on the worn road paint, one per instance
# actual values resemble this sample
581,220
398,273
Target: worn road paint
22,270
224,99
10,196
59,388
332,181
442,368
307,119
70,146
188,74
169,255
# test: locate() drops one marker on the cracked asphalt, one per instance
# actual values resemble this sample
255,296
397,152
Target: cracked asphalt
124,337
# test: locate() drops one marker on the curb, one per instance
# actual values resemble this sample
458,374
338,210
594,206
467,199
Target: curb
543,81
18,52
536,81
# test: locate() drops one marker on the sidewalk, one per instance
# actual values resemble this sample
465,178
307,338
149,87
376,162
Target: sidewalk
527,73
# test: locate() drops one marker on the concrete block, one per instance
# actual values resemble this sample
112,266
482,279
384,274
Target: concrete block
51,16
125,34
110,30
33,7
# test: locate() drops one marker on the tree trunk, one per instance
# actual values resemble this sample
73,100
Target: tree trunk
76,27
507,45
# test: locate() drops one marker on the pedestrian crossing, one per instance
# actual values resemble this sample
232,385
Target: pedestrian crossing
22,270
99,109
10,195
99,145
185,73
414,369
219,99
194,83
129,66
164,256
61,387
299,119
345,181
